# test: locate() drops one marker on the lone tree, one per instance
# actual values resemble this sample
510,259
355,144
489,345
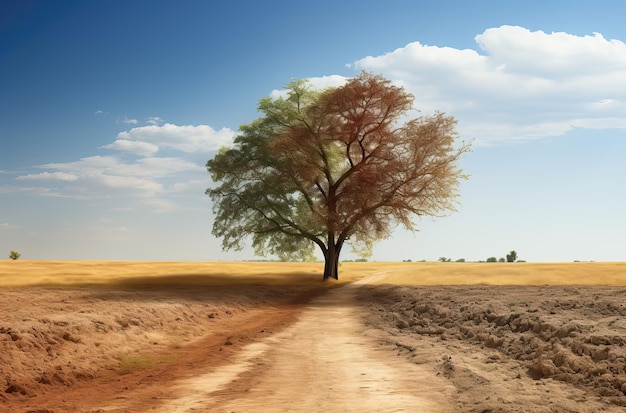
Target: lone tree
14,255
511,256
325,167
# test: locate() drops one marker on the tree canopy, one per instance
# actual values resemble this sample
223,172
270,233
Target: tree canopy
322,168
511,256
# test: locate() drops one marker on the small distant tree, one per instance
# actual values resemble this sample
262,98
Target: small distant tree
501,260
14,255
511,256
444,259
492,259
461,260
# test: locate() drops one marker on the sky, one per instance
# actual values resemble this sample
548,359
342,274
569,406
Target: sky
109,111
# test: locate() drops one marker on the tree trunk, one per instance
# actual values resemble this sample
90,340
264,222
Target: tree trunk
331,263
331,259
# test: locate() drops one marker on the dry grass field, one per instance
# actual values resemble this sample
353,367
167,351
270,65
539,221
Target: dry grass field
145,274
67,327
453,273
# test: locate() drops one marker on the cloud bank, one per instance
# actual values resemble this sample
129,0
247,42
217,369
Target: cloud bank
153,163
519,84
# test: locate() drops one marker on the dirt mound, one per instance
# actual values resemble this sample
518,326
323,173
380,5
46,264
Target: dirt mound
576,335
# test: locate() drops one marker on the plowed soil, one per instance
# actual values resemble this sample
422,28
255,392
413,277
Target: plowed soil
351,348
512,349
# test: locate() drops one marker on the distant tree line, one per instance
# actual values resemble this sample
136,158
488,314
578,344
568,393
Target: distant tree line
510,257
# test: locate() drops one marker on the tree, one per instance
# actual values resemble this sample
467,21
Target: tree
444,259
322,168
511,257
14,255
492,259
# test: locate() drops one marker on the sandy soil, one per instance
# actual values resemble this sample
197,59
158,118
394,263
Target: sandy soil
303,348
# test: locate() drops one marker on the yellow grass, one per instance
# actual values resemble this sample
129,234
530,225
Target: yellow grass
190,274
453,273
145,274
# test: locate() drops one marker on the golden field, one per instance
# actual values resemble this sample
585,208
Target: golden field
186,274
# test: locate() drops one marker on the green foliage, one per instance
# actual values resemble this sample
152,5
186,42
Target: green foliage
461,260
444,259
511,256
492,259
14,255
501,260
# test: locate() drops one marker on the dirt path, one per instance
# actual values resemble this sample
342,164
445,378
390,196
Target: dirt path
323,362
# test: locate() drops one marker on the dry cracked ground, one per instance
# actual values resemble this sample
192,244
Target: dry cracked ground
354,348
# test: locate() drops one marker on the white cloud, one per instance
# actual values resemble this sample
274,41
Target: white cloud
521,85
139,185
158,167
151,167
60,176
160,205
6,226
137,147
320,83
197,186
187,138
154,120
151,180
552,54
128,121
136,177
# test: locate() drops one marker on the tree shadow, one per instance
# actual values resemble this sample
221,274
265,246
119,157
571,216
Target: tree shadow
198,287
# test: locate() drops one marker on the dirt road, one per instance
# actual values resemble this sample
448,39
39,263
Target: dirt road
324,362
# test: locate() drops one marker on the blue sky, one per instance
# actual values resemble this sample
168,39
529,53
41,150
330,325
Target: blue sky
110,109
